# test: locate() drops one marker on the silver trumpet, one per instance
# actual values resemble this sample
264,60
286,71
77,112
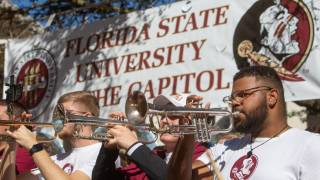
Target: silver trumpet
145,117
202,123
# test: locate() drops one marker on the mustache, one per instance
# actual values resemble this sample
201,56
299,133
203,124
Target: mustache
238,110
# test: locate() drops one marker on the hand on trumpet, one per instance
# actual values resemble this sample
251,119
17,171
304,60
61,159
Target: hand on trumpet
123,137
194,101
118,115
23,136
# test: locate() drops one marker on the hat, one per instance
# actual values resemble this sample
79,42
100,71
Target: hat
176,100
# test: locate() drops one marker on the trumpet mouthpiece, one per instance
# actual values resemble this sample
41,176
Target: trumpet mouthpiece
235,114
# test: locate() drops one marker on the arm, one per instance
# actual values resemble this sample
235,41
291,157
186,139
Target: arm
180,165
7,161
48,168
105,165
151,164
141,155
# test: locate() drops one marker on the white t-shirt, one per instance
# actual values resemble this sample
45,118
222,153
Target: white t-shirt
80,159
292,155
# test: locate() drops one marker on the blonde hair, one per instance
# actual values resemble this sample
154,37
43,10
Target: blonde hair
85,98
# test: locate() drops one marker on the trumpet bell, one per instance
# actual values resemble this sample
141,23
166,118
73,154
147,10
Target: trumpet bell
202,123
136,108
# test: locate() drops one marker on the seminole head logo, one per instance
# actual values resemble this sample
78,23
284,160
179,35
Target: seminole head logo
244,167
36,72
275,33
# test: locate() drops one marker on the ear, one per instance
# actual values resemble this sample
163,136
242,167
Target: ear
273,97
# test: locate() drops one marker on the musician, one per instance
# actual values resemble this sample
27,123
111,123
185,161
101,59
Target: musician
13,159
146,164
269,147
79,159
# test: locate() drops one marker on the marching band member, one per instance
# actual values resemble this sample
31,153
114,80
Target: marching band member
14,159
146,164
78,161
269,147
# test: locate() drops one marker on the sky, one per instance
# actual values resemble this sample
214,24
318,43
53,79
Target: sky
41,15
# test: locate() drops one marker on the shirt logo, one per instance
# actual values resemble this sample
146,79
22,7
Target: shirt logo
244,167
68,168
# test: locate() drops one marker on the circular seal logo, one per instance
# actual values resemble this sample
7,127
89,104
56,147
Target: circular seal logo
36,72
277,33
244,167
68,168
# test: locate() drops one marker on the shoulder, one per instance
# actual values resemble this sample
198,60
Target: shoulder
302,135
307,142
233,144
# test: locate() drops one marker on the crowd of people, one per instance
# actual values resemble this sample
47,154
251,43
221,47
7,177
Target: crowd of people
261,146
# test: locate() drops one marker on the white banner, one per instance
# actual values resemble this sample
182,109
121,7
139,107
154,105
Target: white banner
187,47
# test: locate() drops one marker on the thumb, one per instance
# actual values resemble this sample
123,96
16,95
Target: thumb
110,144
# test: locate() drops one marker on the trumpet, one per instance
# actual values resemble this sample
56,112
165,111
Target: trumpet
56,125
203,123
102,125
12,96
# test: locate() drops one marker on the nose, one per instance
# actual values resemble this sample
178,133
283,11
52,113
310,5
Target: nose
235,103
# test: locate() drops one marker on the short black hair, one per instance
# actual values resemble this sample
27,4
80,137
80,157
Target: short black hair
264,73
260,72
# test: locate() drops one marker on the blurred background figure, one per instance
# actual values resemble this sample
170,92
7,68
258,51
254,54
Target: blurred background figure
14,159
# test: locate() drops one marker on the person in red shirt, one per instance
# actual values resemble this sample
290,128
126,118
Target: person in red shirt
14,159
146,164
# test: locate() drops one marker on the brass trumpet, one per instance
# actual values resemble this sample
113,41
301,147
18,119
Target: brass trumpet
12,96
56,125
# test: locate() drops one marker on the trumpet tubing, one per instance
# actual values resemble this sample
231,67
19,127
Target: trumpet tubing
101,127
137,109
56,125
25,123
202,121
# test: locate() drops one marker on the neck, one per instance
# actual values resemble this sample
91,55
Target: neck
271,128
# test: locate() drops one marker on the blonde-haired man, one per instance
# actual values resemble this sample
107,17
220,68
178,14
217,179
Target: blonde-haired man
79,159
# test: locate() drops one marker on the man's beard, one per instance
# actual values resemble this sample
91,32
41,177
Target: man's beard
254,121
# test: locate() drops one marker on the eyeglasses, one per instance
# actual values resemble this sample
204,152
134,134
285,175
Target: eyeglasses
77,113
239,96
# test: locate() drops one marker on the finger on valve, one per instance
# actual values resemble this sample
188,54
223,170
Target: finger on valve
118,115
194,101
